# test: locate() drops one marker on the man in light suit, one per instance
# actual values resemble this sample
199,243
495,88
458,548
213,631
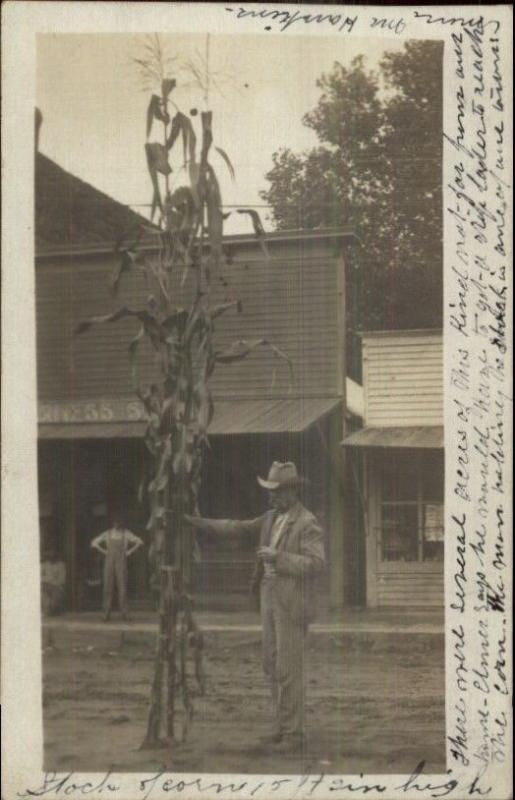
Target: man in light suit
290,555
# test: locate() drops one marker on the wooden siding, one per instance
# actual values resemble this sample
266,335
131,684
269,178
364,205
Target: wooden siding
403,379
406,584
292,299
413,588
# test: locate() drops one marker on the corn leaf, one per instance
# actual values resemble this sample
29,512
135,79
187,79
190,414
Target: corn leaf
133,344
155,111
176,321
151,325
167,84
227,161
189,140
130,258
174,130
207,135
157,157
85,325
258,229
182,206
241,349
220,309
150,151
215,217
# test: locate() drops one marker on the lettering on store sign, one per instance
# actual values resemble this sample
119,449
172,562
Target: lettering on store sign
91,411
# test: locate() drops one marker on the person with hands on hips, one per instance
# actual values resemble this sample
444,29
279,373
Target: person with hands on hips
289,556
116,545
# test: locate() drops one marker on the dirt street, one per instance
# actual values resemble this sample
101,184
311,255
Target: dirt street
376,705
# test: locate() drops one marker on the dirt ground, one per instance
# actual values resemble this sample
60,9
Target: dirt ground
376,705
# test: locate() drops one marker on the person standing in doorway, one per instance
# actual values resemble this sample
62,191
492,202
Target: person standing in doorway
290,555
116,545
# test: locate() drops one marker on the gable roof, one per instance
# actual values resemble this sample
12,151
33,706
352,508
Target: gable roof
71,212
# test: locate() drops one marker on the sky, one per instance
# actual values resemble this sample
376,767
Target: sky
94,108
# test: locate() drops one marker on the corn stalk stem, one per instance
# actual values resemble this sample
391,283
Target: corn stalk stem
176,622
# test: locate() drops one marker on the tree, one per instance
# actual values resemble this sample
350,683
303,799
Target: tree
377,171
179,406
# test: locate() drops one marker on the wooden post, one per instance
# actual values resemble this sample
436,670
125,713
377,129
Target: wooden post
66,456
372,531
337,512
341,519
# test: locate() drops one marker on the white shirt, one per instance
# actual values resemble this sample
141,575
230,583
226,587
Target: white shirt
277,529
113,536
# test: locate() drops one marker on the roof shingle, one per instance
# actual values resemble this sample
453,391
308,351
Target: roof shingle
71,212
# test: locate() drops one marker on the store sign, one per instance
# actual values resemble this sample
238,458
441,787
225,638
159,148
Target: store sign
91,411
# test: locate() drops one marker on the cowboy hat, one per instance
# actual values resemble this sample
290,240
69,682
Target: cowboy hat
281,475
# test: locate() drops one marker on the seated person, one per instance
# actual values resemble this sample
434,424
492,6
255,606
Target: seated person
53,582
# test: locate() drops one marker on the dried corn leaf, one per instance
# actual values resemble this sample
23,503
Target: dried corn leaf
174,130
207,135
182,203
220,309
133,346
157,157
156,111
130,258
157,161
152,327
167,84
189,140
85,325
258,228
227,161
215,217
241,349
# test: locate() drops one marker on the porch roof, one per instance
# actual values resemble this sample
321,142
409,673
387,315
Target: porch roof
278,415
431,436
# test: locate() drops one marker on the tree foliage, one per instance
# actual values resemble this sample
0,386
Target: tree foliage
377,172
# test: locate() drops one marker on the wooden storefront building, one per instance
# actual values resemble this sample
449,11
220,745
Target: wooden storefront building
399,453
90,426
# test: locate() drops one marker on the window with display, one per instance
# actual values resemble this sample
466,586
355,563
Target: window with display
412,492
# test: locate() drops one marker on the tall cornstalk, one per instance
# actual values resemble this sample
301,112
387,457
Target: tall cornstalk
188,250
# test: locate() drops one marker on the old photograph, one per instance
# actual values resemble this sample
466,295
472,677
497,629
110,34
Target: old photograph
240,408
257,401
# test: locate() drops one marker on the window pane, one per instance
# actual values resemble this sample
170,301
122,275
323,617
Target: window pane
399,531
399,476
433,532
432,475
433,551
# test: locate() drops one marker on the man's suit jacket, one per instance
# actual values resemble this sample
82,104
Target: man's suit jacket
300,556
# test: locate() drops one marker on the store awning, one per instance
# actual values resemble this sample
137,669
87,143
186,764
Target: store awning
231,417
415,437
90,430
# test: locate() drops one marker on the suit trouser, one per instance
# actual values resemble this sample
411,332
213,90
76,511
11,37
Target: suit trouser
284,642
115,573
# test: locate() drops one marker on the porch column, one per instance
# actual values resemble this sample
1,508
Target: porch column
338,516
69,517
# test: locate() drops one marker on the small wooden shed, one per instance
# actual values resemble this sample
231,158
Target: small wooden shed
399,453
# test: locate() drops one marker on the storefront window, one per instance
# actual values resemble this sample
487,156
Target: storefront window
433,532
412,487
399,532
